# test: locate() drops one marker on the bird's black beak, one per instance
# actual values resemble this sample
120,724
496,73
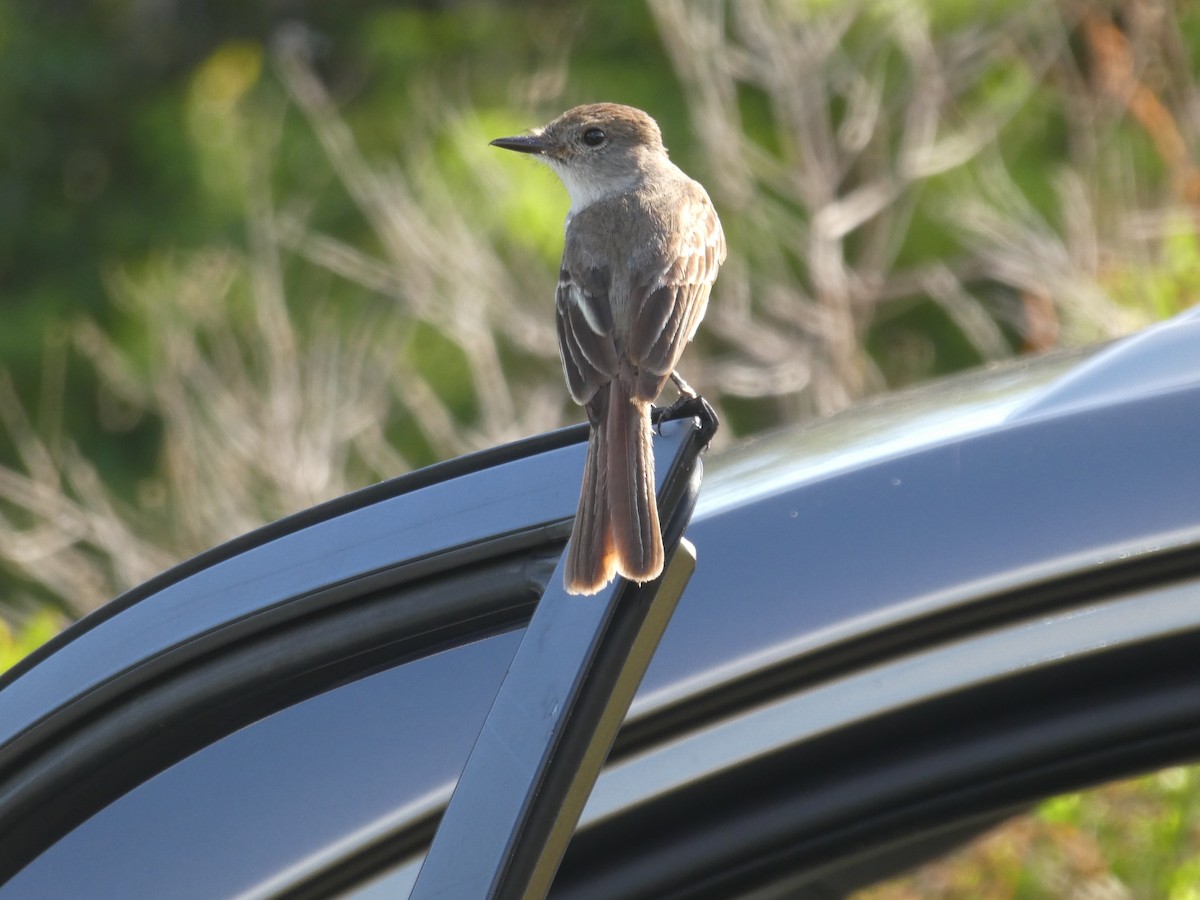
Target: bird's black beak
522,144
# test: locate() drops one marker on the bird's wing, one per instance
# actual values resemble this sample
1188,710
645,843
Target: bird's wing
585,330
668,303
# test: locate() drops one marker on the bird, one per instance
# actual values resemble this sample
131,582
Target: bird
642,247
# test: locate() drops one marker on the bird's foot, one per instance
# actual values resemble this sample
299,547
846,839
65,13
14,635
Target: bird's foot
689,405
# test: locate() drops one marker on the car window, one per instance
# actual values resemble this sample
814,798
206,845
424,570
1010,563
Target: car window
266,801
1138,837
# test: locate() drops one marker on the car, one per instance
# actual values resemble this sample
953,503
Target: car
906,623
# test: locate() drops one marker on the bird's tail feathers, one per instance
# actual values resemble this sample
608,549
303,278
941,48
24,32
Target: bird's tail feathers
591,558
633,506
616,529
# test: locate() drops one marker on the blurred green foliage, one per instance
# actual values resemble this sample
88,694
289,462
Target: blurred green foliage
17,643
127,128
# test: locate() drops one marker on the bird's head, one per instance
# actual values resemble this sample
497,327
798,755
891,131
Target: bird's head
597,150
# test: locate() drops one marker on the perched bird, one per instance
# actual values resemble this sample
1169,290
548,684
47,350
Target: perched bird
642,249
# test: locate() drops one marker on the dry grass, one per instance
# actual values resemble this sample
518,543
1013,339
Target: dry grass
824,218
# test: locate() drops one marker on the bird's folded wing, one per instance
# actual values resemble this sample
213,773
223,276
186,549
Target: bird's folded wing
669,301
585,331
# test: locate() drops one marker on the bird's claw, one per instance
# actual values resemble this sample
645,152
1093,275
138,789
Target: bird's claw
688,406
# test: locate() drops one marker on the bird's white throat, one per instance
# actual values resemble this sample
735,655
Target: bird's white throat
586,186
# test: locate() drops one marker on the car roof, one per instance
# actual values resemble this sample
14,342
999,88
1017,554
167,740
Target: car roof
815,537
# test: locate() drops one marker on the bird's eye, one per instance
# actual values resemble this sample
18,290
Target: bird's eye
593,137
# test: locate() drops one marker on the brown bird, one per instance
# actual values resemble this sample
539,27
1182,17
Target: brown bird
643,245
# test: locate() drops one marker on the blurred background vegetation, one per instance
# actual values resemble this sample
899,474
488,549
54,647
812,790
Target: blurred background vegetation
255,255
